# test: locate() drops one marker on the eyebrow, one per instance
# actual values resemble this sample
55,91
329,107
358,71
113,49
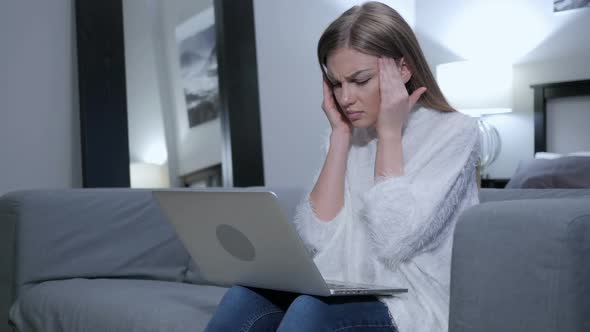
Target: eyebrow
351,76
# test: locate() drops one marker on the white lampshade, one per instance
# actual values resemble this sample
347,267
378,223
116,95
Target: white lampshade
476,88
147,175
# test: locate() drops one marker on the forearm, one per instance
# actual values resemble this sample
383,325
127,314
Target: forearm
389,160
402,218
327,196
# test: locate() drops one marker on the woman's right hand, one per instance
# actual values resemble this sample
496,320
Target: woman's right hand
338,121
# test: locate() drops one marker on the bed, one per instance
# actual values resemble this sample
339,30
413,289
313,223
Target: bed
562,141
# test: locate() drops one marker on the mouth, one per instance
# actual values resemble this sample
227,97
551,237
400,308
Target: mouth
354,115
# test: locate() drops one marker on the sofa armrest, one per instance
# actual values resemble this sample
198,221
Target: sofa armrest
522,265
86,233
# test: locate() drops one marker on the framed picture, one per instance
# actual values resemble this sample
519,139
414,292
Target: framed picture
197,51
563,5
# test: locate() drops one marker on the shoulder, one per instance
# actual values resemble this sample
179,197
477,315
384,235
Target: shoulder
429,115
437,124
433,133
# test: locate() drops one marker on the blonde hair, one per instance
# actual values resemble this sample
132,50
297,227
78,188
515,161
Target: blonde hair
377,29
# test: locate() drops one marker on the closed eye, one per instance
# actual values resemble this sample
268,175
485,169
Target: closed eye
363,82
357,82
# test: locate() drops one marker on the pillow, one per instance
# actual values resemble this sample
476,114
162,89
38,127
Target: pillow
547,155
564,172
552,155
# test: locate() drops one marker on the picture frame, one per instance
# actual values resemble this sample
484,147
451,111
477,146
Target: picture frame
197,53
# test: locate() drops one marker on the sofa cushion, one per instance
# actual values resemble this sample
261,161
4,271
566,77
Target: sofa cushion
115,305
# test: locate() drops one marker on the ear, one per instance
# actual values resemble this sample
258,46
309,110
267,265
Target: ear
405,71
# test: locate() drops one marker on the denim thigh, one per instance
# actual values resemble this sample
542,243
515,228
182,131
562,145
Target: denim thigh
249,309
330,314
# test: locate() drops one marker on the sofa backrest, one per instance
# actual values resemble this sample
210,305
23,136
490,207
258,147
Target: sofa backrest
489,195
94,233
86,233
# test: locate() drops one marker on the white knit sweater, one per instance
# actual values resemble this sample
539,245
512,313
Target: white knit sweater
398,231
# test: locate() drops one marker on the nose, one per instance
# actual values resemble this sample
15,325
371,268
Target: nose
347,96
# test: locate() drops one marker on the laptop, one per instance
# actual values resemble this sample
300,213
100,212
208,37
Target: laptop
240,237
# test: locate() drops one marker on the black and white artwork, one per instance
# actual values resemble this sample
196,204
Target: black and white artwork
198,67
562,5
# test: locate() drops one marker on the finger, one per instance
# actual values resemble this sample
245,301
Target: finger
393,68
385,87
395,74
385,76
381,76
328,98
326,87
391,73
329,105
390,77
413,99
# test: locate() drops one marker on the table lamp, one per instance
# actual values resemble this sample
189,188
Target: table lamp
479,89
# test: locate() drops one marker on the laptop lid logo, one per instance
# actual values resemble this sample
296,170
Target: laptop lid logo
235,242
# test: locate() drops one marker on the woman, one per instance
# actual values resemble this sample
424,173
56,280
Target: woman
400,166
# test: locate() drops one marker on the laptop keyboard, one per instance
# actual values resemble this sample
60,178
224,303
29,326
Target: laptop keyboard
334,285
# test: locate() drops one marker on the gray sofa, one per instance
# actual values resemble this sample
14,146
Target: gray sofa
106,260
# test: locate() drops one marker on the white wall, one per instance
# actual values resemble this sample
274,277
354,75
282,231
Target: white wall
39,124
144,108
147,138
290,83
543,46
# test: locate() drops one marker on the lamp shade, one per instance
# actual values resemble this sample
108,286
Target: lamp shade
146,175
476,88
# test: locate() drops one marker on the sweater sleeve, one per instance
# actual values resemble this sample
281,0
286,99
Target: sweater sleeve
314,232
410,214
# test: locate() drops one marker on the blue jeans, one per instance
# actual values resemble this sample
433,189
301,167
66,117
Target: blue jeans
250,309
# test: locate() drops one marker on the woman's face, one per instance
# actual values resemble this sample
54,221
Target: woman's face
355,82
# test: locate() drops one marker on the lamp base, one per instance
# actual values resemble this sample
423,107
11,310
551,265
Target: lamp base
490,143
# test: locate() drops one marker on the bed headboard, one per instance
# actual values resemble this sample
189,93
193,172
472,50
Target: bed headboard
544,92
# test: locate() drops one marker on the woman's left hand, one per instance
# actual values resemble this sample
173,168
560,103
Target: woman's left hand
395,102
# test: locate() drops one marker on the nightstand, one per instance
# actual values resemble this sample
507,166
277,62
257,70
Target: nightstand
494,183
